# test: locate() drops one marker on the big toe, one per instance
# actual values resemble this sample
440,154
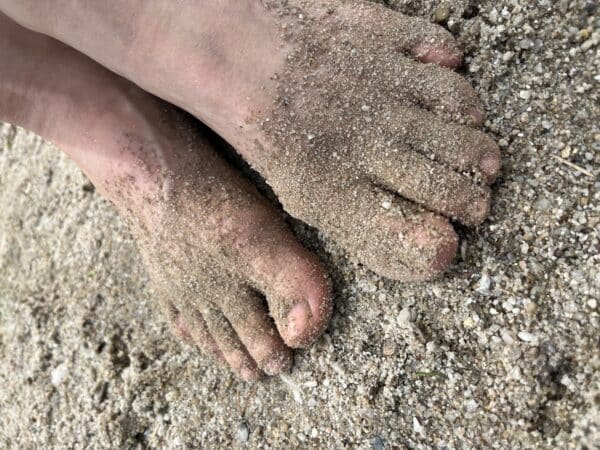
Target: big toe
299,295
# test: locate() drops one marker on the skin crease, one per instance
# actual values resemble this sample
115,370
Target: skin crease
381,173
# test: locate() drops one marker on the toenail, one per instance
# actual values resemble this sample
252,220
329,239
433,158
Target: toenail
479,210
477,116
490,165
278,363
427,53
249,374
445,254
297,320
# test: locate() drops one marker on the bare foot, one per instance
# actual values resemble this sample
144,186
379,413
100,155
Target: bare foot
332,102
214,247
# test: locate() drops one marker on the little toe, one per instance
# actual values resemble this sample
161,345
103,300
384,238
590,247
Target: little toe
391,235
430,43
248,316
431,184
463,148
230,346
178,325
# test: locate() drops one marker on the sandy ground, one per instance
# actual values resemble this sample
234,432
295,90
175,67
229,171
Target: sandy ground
501,353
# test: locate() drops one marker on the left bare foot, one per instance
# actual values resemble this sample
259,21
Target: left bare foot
213,246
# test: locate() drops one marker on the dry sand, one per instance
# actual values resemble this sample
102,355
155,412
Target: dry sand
501,353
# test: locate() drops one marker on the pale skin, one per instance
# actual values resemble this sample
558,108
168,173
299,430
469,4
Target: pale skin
206,217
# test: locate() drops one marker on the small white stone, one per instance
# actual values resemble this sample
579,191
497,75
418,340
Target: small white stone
526,336
242,433
485,282
59,374
508,56
506,337
310,136
365,108
566,381
471,405
418,427
525,95
386,204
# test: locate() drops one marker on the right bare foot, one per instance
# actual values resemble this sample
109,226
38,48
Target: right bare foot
213,246
330,101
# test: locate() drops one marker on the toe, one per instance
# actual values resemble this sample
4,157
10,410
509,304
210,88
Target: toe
462,148
249,318
438,53
199,335
430,184
177,323
391,235
230,347
292,279
298,293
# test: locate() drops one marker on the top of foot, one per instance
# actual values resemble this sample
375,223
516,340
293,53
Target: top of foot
351,111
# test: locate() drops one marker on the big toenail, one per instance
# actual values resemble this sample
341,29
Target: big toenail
297,319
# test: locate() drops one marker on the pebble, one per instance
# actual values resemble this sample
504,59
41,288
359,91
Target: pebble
485,282
526,336
525,95
508,56
59,374
242,433
543,204
418,427
525,44
377,443
389,348
442,13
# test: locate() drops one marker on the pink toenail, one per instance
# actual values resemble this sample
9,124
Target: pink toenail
479,210
490,165
427,53
477,116
248,374
298,320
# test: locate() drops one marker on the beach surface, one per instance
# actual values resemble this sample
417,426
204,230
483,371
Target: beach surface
500,353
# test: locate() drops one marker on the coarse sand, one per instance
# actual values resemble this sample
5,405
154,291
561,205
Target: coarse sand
500,353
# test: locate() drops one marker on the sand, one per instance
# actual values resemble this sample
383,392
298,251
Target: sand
501,353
